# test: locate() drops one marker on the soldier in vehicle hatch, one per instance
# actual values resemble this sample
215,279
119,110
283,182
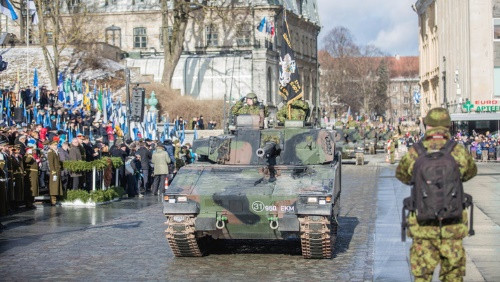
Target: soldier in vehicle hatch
249,105
299,110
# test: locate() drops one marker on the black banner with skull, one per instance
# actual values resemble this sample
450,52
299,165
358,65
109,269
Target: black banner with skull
290,86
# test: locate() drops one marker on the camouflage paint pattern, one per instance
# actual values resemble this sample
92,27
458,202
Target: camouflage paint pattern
351,142
230,181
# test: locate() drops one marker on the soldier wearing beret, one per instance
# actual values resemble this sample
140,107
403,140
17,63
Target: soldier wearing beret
435,243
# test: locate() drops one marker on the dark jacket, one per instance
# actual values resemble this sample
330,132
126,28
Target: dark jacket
145,157
75,155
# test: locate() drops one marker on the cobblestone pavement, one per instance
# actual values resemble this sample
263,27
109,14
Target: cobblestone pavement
125,241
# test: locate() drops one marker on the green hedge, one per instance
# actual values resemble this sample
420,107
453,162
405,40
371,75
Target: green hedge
95,196
83,166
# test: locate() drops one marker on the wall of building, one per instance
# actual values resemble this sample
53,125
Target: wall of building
456,52
401,102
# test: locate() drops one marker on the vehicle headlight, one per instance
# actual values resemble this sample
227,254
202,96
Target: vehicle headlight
312,200
178,218
182,199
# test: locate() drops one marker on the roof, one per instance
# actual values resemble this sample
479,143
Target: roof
399,67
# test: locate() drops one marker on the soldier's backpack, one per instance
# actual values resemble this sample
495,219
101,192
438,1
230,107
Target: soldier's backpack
437,194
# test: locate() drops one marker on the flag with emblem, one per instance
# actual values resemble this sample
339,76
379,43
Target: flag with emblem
290,87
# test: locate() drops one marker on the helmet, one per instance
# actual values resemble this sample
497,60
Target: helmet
438,117
251,96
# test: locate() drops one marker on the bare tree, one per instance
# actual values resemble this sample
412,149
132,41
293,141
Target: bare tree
175,22
349,71
64,29
174,46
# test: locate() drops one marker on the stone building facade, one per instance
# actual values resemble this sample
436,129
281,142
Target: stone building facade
403,92
224,54
457,53
402,102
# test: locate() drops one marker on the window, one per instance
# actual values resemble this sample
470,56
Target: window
406,88
50,37
406,100
496,82
416,88
395,88
243,35
169,32
269,86
496,29
140,38
212,35
114,36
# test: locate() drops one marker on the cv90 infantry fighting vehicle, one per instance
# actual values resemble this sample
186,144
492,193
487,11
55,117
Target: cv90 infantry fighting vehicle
352,145
278,183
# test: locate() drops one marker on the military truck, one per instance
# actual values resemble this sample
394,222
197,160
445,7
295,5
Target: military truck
273,184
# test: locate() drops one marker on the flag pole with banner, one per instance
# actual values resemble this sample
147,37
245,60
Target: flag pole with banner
290,87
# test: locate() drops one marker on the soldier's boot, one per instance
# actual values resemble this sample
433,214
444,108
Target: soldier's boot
53,200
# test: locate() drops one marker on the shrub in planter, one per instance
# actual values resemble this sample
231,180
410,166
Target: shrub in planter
99,196
72,195
95,196
119,190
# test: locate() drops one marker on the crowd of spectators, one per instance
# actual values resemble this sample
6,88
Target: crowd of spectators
483,147
33,131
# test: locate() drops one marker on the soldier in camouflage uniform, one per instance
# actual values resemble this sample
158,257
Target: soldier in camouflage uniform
433,244
299,110
247,106
250,106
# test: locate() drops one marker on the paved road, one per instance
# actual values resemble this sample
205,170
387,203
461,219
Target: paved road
125,241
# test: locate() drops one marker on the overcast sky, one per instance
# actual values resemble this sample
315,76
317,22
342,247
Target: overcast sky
390,25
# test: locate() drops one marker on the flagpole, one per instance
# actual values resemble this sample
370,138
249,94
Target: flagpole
27,40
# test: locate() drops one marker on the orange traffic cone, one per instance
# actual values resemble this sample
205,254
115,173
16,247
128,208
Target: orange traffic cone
166,184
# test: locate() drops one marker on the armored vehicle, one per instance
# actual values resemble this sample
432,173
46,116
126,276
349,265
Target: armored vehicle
273,184
352,145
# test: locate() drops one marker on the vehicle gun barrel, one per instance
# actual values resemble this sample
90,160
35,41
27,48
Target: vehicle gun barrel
270,150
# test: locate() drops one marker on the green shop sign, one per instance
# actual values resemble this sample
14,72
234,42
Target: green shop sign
482,106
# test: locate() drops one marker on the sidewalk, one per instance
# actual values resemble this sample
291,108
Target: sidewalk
391,258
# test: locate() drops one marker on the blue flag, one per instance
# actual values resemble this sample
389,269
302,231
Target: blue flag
262,24
35,84
60,95
7,9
